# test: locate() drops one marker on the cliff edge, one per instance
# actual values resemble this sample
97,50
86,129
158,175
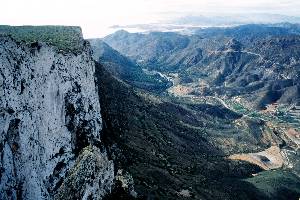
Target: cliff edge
50,123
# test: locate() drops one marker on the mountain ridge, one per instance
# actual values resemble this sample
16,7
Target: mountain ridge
207,55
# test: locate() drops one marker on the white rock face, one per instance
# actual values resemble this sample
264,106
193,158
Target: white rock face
49,113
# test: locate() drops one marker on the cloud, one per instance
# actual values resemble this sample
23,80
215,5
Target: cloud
96,15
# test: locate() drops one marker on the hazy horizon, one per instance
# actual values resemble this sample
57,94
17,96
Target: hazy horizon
96,17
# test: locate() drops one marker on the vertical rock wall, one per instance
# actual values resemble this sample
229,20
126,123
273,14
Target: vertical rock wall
50,125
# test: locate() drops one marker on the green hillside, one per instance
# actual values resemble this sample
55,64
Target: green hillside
65,38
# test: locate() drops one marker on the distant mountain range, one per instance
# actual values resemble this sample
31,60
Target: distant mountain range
256,61
187,24
230,20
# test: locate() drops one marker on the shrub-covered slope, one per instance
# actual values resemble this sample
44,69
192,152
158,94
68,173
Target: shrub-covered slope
171,150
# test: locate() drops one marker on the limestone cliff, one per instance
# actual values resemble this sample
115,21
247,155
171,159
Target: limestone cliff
50,124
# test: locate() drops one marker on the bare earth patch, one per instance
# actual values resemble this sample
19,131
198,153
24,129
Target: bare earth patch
180,90
294,136
270,158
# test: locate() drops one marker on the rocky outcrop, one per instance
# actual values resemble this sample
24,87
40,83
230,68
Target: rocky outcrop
50,124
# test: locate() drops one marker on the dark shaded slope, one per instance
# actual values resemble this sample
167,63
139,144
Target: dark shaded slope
155,141
278,184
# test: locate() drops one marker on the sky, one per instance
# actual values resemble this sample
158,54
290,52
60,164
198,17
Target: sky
96,16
